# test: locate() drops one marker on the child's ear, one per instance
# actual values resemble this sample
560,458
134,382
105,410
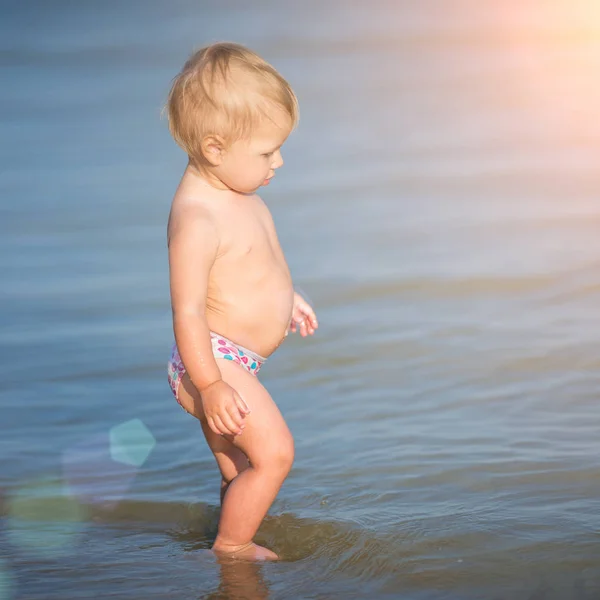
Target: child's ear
213,148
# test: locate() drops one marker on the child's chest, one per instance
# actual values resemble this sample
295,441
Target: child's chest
249,232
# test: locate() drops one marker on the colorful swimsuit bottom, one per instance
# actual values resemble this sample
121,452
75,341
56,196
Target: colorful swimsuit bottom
222,348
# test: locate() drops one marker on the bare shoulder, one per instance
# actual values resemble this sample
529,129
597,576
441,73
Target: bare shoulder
191,217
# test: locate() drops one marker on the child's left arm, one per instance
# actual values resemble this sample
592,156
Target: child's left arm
304,319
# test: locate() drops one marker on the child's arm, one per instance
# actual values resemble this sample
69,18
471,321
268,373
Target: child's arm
193,249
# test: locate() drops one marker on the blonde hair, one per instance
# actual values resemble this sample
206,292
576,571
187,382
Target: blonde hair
224,89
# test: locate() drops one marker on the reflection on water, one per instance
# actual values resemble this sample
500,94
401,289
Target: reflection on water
242,580
439,207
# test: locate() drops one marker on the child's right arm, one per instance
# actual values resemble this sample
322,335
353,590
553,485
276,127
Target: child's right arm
193,247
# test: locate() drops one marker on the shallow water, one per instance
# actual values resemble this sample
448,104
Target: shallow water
439,206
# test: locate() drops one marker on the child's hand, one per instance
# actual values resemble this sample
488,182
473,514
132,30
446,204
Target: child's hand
224,409
303,317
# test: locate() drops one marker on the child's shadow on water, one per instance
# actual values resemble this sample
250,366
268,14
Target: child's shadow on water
197,530
292,538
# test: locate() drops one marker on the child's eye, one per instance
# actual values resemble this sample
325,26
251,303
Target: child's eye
268,154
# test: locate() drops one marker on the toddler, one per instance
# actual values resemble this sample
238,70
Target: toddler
231,291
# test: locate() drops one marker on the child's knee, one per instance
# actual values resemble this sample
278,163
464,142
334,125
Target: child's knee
285,454
278,455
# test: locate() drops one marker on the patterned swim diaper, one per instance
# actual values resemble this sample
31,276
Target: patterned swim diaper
222,348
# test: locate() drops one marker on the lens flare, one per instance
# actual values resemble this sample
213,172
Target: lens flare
7,586
43,518
92,475
131,443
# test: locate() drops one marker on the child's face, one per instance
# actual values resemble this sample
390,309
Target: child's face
249,164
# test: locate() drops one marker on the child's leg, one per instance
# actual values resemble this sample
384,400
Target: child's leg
230,460
268,444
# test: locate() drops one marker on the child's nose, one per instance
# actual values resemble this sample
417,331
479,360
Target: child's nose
277,160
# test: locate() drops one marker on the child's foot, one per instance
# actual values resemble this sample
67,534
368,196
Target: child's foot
249,551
